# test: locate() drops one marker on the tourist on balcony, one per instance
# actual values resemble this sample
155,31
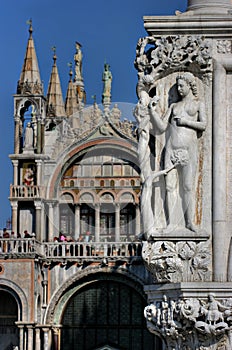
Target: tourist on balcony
27,234
5,233
80,246
88,238
62,237
6,245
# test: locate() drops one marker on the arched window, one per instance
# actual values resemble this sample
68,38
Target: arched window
87,220
67,218
8,316
127,222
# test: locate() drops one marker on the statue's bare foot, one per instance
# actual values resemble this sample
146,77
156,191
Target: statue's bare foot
191,227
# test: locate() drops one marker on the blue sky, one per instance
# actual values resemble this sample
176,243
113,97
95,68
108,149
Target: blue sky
108,31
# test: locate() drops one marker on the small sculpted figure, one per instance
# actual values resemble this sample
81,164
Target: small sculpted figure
107,80
78,62
28,139
28,177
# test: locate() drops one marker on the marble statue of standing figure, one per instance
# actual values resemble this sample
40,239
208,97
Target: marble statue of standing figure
28,137
147,175
78,62
107,80
183,121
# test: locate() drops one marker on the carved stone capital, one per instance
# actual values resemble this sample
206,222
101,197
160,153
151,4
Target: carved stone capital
156,57
206,323
178,261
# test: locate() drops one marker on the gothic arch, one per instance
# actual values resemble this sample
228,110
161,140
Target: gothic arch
81,279
19,295
24,104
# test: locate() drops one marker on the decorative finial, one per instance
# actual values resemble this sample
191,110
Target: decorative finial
30,26
54,53
94,97
70,70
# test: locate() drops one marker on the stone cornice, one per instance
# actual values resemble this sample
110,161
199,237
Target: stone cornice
207,25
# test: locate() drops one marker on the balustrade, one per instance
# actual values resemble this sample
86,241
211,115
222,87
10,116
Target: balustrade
64,250
21,191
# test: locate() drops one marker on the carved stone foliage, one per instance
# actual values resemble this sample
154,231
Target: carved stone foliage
224,46
177,262
182,323
89,119
156,56
30,88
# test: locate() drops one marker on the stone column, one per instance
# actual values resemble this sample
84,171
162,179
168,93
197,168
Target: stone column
45,292
39,165
117,222
97,222
42,135
46,339
16,136
30,337
56,337
209,6
137,220
38,207
39,136
14,207
50,221
220,246
77,221
15,165
37,339
56,218
21,335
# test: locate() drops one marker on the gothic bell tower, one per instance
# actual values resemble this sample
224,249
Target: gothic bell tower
29,117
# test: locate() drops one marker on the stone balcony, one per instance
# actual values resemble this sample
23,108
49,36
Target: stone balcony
22,191
69,251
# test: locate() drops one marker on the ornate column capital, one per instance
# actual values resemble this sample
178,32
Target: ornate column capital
184,322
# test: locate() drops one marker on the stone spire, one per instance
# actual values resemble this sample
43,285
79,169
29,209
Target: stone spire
30,81
55,103
209,6
71,105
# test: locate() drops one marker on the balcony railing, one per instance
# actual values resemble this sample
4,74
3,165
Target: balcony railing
70,250
20,246
21,191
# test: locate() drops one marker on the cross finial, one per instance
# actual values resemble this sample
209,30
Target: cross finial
30,26
54,53
94,97
70,70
